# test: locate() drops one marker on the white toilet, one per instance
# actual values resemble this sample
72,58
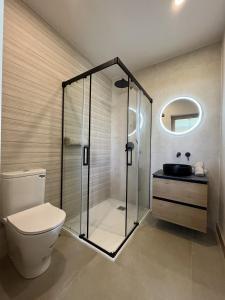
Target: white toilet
32,226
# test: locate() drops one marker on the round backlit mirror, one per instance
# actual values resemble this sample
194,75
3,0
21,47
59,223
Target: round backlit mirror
132,121
181,115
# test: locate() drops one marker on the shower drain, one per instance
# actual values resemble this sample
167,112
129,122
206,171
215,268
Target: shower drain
121,208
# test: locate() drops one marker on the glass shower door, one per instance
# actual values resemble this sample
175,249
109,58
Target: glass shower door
107,164
145,113
132,149
84,199
72,154
105,155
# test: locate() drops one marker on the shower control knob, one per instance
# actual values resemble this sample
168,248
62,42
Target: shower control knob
178,154
188,154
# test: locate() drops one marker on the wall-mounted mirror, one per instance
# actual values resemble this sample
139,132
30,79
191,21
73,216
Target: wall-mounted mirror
181,115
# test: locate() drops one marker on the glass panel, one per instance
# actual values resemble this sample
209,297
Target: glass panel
106,161
144,156
132,156
84,162
72,154
108,137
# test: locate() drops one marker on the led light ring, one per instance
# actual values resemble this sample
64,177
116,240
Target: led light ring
192,128
141,121
179,2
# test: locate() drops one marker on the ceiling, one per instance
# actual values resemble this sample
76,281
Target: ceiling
140,32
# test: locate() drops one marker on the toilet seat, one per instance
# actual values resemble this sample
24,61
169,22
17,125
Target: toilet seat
38,219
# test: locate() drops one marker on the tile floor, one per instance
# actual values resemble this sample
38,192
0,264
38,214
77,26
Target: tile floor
107,223
160,262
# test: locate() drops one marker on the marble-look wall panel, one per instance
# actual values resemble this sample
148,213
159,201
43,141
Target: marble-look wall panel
222,162
36,61
2,238
197,75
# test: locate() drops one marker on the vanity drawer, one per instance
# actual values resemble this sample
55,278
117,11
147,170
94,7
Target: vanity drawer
180,214
181,191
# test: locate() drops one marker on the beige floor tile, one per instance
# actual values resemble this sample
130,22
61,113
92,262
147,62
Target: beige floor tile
107,280
164,248
178,286
208,268
69,257
202,292
161,261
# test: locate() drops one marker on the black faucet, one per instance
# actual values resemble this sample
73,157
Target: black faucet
188,154
178,154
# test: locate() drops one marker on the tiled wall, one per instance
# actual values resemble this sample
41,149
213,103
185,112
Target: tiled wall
36,61
2,239
222,162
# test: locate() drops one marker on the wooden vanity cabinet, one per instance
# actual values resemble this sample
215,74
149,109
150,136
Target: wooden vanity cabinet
181,200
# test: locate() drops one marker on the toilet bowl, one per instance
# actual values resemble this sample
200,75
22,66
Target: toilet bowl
31,235
32,226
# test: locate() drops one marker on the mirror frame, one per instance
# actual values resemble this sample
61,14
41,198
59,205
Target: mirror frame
192,128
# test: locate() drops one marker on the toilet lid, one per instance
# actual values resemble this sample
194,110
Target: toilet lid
37,219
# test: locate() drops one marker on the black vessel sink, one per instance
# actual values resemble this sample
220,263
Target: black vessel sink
177,170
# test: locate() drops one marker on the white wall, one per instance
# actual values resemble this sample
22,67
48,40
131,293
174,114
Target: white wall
222,170
196,75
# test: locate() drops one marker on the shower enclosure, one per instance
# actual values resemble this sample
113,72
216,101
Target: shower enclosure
106,142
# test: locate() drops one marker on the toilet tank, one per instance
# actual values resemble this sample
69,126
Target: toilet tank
21,190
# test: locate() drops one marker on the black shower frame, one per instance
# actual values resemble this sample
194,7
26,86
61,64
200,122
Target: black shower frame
131,78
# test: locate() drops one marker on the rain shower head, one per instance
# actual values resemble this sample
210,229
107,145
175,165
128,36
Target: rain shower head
122,83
